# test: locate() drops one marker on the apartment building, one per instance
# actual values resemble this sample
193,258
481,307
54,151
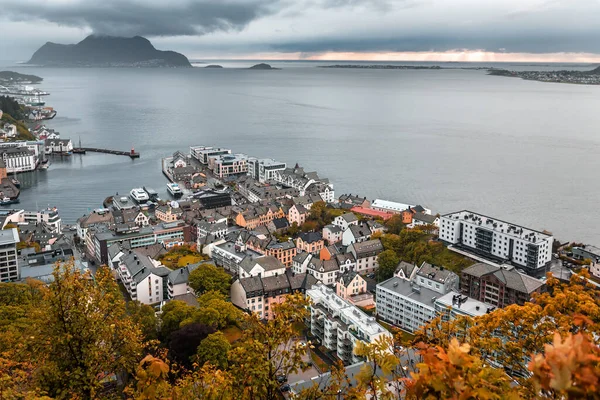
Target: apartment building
339,325
202,153
9,270
263,169
228,165
365,254
498,240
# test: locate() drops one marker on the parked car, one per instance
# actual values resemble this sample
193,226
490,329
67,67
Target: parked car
285,388
281,378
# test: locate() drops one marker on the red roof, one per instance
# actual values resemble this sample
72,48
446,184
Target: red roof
372,213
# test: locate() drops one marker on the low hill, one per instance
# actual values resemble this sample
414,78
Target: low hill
107,51
262,66
11,76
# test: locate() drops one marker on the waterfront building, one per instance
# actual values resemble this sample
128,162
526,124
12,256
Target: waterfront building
370,213
179,160
263,169
498,240
339,325
347,201
498,286
258,294
420,219
366,254
18,159
9,270
298,179
397,208
210,198
311,242
49,219
228,165
131,216
58,146
587,251
202,153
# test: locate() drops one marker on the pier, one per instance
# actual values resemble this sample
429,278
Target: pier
82,150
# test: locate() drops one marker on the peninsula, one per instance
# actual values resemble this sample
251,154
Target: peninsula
107,51
15,77
577,77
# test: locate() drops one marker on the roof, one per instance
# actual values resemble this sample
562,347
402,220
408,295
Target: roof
367,248
371,213
182,275
360,231
435,273
276,282
467,305
187,298
269,263
310,237
428,219
280,223
333,228
347,277
349,217
409,290
405,267
390,205
300,281
301,257
9,236
511,278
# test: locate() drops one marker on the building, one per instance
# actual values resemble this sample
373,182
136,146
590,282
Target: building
255,216
366,254
332,234
297,214
356,233
345,220
436,278
350,284
259,294
411,306
58,146
9,270
230,255
168,213
303,181
210,198
179,160
370,213
396,208
100,216
202,153
347,201
406,271
283,251
228,165
263,267
339,325
144,278
498,286
263,170
325,271
311,242
420,219
588,252
497,240
178,281
18,159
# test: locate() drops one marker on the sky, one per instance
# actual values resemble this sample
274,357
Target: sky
381,30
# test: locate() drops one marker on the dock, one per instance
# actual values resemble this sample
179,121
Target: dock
82,150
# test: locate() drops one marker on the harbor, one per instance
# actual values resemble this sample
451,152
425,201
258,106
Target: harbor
83,150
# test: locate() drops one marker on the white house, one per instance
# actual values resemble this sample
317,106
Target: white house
178,281
179,160
263,267
58,146
345,220
18,159
144,278
332,233
356,234
419,219
366,254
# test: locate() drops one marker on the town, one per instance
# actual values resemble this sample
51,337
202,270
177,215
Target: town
369,268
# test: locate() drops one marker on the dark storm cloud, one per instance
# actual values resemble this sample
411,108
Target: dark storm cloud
144,17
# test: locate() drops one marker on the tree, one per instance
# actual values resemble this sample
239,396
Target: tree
388,261
82,334
267,349
213,349
209,277
394,224
173,314
145,317
185,341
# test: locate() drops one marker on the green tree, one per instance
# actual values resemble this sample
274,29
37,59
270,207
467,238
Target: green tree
388,261
145,317
208,277
83,334
215,311
214,349
394,225
173,314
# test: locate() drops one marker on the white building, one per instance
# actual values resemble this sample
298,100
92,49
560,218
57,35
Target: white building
394,207
178,281
410,306
9,270
345,220
58,146
339,325
202,153
502,241
18,159
263,267
144,278
264,169
228,165
8,130
366,254
356,233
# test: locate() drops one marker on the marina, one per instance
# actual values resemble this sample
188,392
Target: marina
131,154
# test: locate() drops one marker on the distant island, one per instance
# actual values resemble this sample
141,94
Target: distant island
262,66
576,77
15,77
107,51
214,66
380,66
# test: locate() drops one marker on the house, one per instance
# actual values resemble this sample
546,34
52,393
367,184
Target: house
437,278
133,216
498,286
420,219
198,180
58,146
297,214
327,253
184,174
345,220
349,201
230,255
282,251
397,208
406,271
178,281
339,325
8,130
144,278
168,213
356,234
254,216
366,254
332,234
325,271
311,242
262,267
206,228
350,284
179,160
100,216
278,225
259,294
300,262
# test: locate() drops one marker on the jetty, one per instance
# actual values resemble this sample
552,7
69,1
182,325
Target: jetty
82,150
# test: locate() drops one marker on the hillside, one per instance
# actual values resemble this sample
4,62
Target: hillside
107,51
12,77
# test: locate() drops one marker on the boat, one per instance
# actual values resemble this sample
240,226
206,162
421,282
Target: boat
7,200
15,182
174,190
44,166
139,195
152,194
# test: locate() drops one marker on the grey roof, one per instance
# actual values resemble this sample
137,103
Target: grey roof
433,272
301,257
511,278
359,231
300,281
311,237
187,298
278,282
368,248
281,223
182,275
349,217
269,263
333,228
347,277
9,236
343,257
407,268
252,284
426,218
281,245
405,288
139,266
323,265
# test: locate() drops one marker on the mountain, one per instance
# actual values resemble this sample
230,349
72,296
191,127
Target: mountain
262,66
595,71
107,51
